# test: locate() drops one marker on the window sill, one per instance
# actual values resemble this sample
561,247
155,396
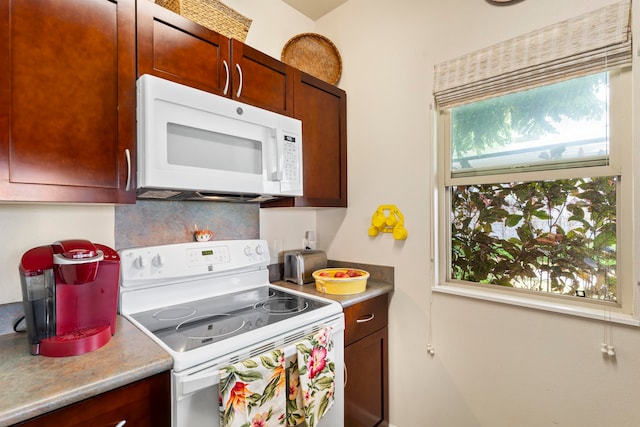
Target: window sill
585,312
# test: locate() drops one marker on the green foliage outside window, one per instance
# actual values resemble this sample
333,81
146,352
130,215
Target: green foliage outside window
550,236
530,114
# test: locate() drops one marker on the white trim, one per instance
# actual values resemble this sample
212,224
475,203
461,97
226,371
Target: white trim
621,157
579,311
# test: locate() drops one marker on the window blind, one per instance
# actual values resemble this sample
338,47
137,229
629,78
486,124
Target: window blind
585,44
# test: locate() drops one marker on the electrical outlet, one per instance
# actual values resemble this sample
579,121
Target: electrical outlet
309,240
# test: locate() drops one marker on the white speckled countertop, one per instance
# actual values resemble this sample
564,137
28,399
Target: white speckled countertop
34,385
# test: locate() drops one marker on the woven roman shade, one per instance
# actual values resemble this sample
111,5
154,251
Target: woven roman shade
588,43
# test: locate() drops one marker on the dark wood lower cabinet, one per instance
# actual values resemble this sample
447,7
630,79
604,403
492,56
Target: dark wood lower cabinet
145,403
366,361
366,402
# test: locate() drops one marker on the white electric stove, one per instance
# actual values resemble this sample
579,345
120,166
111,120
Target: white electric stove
210,304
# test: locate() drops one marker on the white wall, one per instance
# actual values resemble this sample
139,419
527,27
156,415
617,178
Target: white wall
494,365
24,226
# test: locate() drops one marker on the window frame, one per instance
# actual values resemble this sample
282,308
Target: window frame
620,164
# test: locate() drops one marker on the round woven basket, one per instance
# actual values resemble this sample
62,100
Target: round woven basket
314,54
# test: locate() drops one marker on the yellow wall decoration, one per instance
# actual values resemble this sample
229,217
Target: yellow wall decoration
388,219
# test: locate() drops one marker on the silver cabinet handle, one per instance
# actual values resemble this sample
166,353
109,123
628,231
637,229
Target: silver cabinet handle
121,423
226,83
127,156
345,376
240,83
366,319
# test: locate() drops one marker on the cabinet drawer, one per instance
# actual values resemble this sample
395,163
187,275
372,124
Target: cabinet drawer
146,403
365,317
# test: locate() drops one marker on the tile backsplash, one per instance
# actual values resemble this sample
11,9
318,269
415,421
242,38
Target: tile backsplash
160,222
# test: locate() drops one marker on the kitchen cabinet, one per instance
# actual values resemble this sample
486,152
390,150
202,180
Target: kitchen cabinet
366,361
67,101
177,49
322,107
146,403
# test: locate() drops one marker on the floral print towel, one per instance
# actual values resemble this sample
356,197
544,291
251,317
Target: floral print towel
316,379
253,392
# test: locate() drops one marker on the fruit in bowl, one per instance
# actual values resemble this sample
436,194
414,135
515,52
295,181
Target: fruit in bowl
355,273
341,281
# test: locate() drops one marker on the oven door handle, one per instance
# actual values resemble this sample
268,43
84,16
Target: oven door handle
210,377
196,382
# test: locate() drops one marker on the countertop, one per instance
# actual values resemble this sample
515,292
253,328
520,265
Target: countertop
373,289
34,385
381,281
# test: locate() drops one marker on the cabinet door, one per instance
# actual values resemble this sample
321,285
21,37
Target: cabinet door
146,403
261,80
177,49
366,396
67,100
322,107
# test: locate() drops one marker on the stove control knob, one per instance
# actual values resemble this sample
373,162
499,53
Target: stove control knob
140,262
259,250
248,251
158,260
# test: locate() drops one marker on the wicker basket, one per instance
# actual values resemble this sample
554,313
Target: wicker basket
212,14
314,54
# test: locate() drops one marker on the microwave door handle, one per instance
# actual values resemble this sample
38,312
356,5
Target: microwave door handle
278,153
196,382
226,83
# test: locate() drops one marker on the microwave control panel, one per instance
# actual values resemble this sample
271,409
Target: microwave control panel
291,164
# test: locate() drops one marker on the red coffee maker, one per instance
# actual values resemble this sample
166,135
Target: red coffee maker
70,296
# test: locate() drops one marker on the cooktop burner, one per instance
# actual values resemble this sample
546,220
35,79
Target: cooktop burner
174,313
282,305
217,325
187,326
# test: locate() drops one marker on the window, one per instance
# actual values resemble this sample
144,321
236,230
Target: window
534,175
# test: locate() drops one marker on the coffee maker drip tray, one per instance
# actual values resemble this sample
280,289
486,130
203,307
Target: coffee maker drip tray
76,342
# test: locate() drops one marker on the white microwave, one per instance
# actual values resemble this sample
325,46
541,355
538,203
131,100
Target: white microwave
196,145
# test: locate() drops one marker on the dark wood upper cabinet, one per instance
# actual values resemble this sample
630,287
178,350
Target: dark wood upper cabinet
260,80
322,107
177,49
67,100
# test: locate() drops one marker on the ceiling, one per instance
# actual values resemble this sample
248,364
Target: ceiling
314,9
